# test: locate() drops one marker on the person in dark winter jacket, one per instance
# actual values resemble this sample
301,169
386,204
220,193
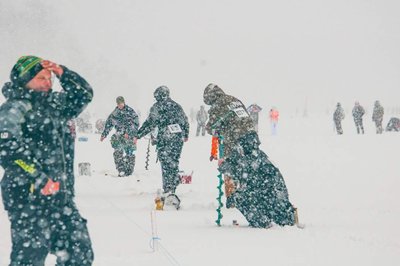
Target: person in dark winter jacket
227,117
252,183
126,123
228,120
338,116
201,118
172,126
254,110
260,192
37,152
377,117
358,112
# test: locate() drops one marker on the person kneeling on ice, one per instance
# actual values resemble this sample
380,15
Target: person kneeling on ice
259,193
252,183
228,121
173,130
126,123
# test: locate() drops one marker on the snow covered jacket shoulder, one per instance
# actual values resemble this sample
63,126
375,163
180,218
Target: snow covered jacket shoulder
169,119
123,120
228,117
36,142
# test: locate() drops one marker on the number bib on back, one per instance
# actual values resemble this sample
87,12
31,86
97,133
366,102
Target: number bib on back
240,112
238,109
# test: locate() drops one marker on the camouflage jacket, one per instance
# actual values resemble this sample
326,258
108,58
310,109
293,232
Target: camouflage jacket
229,118
377,114
358,112
170,121
338,115
123,120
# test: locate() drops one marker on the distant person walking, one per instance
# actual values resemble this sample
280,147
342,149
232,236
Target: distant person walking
338,116
377,117
274,117
358,112
201,118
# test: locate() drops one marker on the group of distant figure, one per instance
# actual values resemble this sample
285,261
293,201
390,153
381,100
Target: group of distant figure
358,112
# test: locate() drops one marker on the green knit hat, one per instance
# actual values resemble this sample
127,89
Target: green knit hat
120,99
26,68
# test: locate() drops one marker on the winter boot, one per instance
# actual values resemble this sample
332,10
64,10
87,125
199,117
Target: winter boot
121,174
172,200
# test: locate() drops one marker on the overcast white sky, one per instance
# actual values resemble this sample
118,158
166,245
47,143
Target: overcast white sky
283,53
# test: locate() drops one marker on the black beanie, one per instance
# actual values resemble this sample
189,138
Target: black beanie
26,68
161,93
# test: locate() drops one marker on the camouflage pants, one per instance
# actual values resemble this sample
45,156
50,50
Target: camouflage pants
359,126
36,232
379,128
201,127
338,125
169,158
124,154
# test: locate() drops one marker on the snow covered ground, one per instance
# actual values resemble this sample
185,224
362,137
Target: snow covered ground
345,187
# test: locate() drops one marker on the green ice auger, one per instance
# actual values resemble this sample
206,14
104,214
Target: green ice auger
220,182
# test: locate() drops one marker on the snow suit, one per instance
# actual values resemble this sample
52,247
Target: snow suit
338,116
261,194
229,119
201,118
173,128
125,121
36,144
377,117
358,112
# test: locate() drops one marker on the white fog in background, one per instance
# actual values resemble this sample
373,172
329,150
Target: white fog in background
290,54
